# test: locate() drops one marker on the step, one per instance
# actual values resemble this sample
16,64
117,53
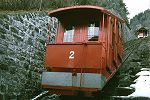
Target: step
124,91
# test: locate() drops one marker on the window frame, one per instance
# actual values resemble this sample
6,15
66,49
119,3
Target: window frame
94,28
72,34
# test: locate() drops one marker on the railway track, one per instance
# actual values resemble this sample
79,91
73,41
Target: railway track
141,57
131,45
128,51
130,48
45,96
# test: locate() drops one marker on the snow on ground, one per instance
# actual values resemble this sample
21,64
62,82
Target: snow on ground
146,69
142,85
143,73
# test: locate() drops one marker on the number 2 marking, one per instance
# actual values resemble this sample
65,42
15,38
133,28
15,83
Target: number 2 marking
71,55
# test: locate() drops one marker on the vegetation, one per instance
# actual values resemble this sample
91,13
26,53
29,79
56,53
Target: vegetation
14,5
141,20
24,4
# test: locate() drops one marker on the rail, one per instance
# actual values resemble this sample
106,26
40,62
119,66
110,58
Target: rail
40,95
132,45
45,93
136,45
133,48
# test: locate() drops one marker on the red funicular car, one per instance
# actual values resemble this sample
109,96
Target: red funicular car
86,53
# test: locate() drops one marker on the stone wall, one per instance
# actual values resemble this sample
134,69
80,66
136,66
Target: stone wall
22,39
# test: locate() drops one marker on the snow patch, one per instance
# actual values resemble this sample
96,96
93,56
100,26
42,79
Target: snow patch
145,73
142,85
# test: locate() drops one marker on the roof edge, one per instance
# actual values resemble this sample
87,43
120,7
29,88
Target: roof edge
76,7
53,12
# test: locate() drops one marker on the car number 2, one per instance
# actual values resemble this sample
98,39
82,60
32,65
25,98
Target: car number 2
71,56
